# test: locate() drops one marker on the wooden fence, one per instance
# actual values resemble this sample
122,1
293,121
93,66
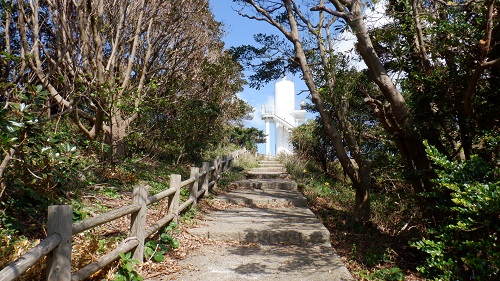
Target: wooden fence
60,228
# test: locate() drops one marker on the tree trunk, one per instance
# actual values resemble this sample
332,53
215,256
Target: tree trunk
115,139
118,147
3,166
417,163
330,128
362,204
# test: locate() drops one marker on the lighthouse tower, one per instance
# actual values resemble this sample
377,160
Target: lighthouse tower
283,115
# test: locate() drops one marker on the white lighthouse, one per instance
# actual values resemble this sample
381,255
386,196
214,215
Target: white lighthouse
284,116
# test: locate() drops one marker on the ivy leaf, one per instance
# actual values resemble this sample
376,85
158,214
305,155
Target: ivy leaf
158,257
175,243
148,252
128,267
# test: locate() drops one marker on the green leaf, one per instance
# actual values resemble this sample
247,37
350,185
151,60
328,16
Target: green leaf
175,243
158,257
165,237
128,267
16,124
148,252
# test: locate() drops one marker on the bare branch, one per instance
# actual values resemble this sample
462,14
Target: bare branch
330,11
420,36
268,18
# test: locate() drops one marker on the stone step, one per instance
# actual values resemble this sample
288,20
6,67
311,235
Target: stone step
270,164
267,184
266,175
268,169
271,226
265,198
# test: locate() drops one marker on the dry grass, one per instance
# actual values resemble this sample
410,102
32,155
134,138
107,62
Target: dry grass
365,249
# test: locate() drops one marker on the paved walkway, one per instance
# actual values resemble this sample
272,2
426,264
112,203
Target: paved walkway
288,241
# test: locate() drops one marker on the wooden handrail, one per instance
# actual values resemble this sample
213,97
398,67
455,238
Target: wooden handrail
201,181
186,182
186,204
159,224
24,262
104,218
157,197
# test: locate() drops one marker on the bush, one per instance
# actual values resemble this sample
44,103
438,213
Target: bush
464,244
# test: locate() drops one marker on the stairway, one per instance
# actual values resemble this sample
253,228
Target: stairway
287,241
271,211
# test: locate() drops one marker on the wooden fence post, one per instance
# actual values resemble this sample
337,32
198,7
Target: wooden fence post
138,221
59,221
224,164
215,175
193,190
230,159
204,185
174,199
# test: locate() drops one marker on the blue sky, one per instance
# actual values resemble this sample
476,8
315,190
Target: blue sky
240,31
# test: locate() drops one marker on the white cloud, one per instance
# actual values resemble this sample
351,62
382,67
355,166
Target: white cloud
375,17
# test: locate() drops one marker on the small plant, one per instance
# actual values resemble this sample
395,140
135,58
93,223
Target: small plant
373,258
157,249
190,214
110,192
126,271
184,193
232,175
79,212
389,274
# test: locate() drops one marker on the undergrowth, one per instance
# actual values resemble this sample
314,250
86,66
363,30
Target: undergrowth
110,188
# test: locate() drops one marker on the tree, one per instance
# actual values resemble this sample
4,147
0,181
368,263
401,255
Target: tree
118,69
101,60
200,115
310,142
441,69
247,137
395,113
313,53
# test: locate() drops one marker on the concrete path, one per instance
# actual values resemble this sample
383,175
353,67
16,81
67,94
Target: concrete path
285,239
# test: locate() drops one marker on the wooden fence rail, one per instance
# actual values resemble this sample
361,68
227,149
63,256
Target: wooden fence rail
57,245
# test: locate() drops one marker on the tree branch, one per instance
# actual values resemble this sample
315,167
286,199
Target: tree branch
485,44
268,18
420,37
330,11
3,166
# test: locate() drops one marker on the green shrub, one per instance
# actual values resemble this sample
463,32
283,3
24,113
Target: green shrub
156,250
464,244
389,274
126,271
